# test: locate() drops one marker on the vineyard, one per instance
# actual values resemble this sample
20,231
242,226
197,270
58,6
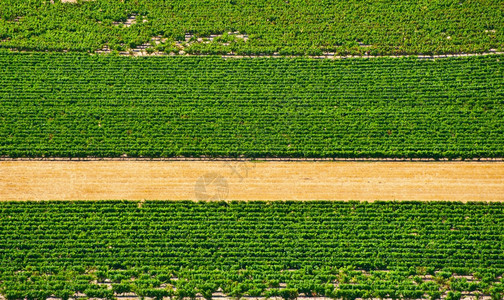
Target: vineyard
259,249
116,115
109,106
294,27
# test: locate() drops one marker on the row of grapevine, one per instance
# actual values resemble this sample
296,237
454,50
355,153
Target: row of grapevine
70,105
295,27
186,249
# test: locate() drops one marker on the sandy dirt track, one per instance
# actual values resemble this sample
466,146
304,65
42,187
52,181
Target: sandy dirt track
218,180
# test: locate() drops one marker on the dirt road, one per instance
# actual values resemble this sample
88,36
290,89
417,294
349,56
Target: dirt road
211,180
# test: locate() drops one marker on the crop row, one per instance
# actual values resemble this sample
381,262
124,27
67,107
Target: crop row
263,249
108,106
294,27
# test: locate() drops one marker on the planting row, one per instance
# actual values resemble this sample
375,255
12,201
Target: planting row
260,249
294,27
109,106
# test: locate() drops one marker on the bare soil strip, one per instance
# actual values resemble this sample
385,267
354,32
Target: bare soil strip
245,180
332,56
141,51
260,159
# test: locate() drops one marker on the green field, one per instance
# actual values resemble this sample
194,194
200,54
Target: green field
293,27
246,79
288,249
80,105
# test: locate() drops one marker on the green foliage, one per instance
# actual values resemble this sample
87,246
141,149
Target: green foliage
291,27
434,294
185,250
70,105
121,288
288,294
453,295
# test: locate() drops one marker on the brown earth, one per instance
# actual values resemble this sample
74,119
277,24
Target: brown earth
245,180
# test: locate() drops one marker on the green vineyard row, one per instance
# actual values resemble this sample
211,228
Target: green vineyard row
294,27
69,105
187,249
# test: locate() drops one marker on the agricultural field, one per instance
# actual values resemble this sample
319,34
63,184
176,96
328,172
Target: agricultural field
77,105
260,249
251,150
293,27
